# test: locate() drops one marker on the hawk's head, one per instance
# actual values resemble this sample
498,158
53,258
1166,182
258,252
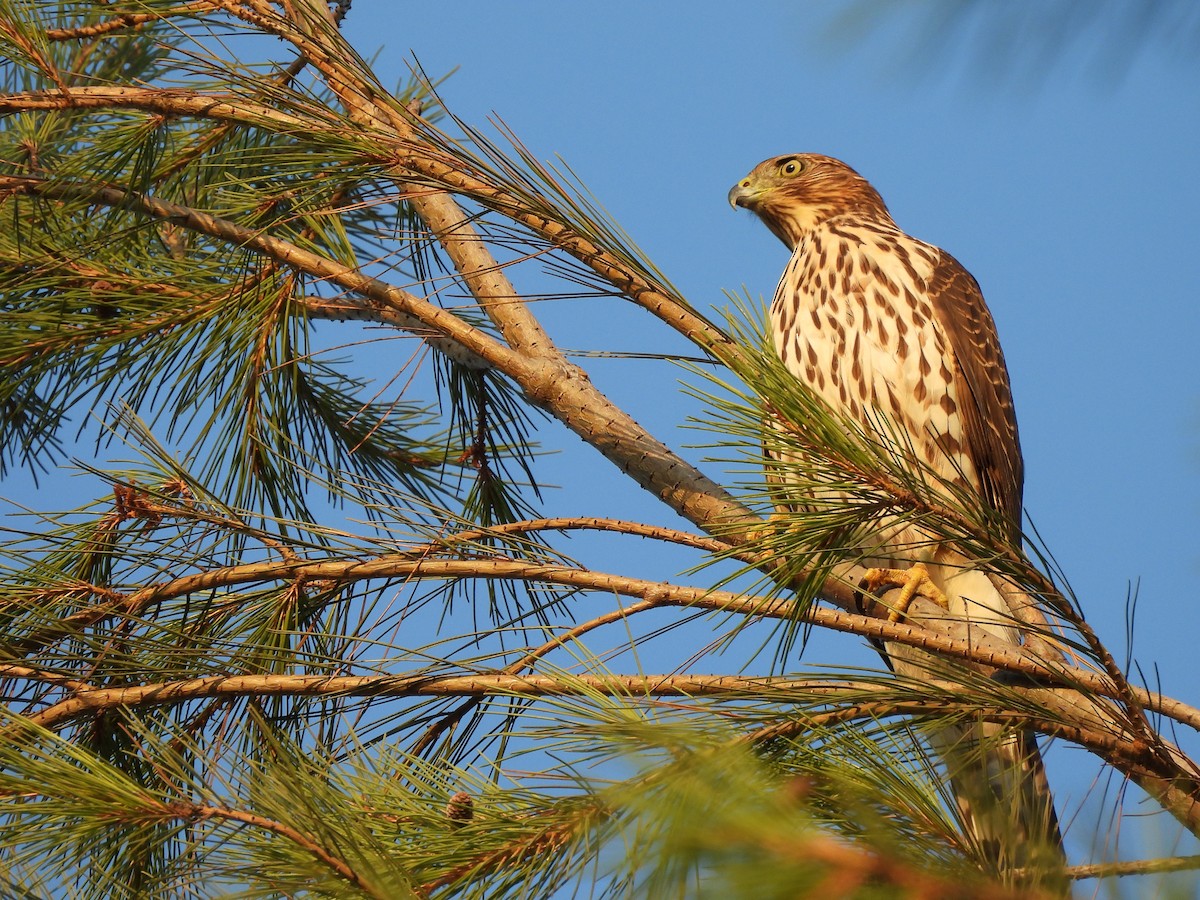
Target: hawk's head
791,194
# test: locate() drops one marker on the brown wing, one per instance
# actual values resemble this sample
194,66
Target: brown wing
989,421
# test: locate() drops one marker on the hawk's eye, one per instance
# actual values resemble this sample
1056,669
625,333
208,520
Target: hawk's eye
791,167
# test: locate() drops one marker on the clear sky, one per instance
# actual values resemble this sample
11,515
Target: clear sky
1069,190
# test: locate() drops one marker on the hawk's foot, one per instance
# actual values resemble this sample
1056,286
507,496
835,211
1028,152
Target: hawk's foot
911,581
776,524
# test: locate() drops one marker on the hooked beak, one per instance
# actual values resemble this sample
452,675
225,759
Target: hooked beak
743,195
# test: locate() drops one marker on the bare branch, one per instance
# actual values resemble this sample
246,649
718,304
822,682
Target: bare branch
167,102
1134,867
503,684
974,647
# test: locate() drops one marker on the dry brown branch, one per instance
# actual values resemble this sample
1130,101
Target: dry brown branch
128,21
167,102
595,523
1099,736
194,812
1134,867
973,647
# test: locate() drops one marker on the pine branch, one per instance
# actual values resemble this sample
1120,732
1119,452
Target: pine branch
281,252
198,812
971,647
123,22
1133,867
1099,735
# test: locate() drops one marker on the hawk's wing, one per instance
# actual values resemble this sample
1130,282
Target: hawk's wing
988,419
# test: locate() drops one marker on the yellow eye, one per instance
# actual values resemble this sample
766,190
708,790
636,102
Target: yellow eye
791,167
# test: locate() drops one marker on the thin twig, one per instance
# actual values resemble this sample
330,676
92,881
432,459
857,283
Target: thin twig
197,811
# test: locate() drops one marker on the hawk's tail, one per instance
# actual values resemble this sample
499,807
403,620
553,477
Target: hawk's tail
996,771
1002,795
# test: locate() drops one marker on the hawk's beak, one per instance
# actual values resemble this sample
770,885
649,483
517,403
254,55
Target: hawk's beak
742,194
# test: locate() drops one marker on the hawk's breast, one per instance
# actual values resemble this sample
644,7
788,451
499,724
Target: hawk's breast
852,319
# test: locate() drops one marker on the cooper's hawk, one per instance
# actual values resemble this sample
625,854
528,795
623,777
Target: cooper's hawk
894,334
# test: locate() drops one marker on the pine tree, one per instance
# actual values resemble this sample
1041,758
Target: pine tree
315,632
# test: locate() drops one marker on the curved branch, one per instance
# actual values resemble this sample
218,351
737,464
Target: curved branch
596,523
972,648
198,811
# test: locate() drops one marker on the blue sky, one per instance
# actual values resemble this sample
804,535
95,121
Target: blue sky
1068,191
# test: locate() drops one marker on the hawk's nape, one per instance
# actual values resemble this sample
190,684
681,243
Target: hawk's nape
887,329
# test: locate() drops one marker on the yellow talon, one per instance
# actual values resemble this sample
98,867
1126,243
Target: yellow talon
911,581
776,524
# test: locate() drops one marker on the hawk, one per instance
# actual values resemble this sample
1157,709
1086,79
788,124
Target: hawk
894,334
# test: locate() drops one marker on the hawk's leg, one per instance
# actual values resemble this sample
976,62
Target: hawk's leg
911,581
777,523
